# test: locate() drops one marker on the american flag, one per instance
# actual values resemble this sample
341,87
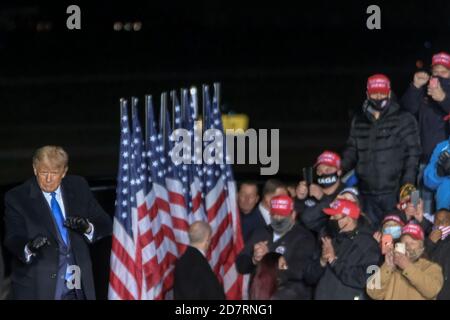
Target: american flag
158,199
126,260
174,177
221,206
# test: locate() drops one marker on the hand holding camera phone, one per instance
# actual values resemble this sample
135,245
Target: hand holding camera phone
387,242
400,248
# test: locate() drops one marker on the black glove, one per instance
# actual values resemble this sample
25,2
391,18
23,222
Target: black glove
37,243
77,224
443,164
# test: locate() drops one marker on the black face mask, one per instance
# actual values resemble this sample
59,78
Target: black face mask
379,105
444,82
332,228
327,180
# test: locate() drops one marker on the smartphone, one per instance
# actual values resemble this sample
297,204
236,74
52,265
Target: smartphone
308,175
400,247
386,242
434,82
415,197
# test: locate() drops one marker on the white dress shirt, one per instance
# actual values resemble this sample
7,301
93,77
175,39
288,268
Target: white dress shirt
265,213
59,199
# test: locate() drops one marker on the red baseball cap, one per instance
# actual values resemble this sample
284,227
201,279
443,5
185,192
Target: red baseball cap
329,158
414,230
378,83
442,58
345,207
395,218
281,205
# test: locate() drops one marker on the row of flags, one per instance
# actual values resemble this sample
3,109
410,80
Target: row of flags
157,199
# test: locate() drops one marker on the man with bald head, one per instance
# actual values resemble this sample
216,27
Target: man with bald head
194,278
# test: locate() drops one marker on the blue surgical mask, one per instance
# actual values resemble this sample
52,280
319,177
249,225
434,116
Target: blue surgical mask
394,231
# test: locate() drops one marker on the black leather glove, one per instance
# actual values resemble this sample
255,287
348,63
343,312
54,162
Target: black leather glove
78,224
37,243
443,164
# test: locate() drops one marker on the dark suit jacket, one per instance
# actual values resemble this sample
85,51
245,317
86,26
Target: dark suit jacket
27,215
250,222
194,278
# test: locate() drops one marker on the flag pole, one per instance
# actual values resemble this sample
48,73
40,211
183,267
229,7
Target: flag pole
217,92
148,103
173,94
194,96
183,106
134,103
162,117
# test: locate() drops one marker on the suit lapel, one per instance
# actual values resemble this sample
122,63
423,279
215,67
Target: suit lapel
43,210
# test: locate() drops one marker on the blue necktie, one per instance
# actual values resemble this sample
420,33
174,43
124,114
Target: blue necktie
57,213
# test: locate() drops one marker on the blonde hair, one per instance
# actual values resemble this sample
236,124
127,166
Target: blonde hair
54,155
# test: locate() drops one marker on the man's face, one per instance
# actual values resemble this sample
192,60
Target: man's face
440,71
414,248
247,198
324,169
378,96
345,223
49,176
442,219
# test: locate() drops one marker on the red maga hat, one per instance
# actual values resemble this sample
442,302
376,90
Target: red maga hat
329,158
414,230
442,58
378,83
345,207
281,205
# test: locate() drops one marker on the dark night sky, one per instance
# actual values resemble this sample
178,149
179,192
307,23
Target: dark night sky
297,66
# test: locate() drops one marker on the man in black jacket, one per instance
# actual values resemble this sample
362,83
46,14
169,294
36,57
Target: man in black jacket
311,201
194,278
430,104
384,146
437,247
344,265
50,220
285,236
251,217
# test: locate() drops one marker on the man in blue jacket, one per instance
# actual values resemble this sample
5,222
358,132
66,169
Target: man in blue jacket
437,174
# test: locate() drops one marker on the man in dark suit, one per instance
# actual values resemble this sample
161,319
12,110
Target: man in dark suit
194,278
50,220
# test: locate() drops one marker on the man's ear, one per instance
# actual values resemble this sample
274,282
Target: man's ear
35,171
339,172
65,171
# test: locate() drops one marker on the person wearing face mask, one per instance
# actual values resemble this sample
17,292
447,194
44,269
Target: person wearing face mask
428,99
383,147
438,248
340,269
322,193
409,275
286,237
392,224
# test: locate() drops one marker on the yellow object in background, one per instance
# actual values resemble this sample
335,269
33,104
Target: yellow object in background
235,121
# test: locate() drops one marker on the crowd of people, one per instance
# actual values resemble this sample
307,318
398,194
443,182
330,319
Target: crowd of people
382,234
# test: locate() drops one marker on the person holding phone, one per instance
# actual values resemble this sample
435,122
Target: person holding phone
411,207
406,274
391,225
428,99
321,192
383,147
